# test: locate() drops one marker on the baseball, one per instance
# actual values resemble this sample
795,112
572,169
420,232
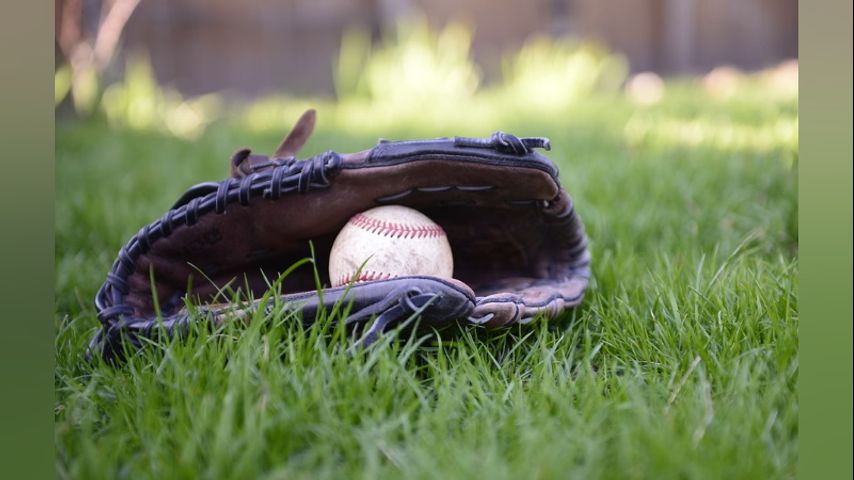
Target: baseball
387,242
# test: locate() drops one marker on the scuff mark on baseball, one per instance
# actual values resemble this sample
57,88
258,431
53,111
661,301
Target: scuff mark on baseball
391,241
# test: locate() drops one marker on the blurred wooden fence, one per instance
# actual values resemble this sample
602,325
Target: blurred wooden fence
256,46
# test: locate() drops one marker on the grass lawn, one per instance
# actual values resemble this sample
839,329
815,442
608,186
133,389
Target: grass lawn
681,363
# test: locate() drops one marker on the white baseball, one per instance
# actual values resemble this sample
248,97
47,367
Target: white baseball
390,241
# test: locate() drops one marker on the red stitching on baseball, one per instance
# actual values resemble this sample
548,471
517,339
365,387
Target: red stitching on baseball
364,276
396,230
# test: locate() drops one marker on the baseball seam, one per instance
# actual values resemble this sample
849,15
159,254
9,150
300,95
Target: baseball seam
396,230
364,276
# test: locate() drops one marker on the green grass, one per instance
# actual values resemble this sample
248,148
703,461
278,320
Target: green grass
681,363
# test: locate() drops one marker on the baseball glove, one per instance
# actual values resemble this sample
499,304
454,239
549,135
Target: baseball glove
519,246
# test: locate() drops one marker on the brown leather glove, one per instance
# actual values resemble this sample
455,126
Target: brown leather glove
519,247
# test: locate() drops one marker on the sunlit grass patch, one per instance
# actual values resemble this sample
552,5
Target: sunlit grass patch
711,133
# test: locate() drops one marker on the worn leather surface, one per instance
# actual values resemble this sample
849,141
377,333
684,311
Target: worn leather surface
519,247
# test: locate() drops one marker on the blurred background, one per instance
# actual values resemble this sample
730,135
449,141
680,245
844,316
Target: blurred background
405,51
260,46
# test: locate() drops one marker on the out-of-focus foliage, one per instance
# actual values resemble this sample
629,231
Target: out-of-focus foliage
139,102
417,79
348,69
417,76
553,73
61,83
414,65
85,89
